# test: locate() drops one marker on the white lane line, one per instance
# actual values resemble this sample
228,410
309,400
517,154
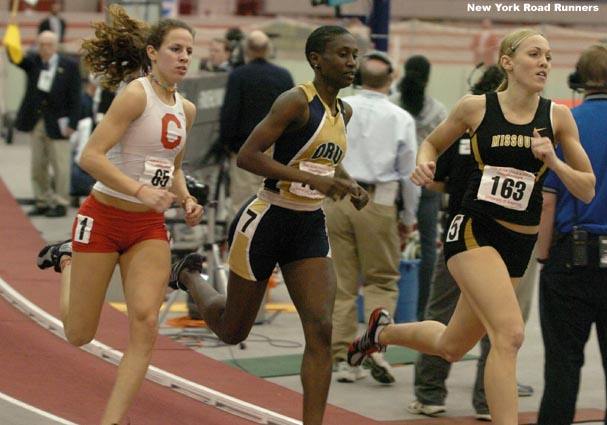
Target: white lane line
28,407
189,388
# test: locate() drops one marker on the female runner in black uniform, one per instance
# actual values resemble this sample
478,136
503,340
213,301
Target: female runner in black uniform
489,243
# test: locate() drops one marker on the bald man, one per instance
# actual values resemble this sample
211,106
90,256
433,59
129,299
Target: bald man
257,45
250,92
49,111
381,157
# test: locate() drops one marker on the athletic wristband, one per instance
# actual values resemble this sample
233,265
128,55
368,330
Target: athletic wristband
541,260
186,198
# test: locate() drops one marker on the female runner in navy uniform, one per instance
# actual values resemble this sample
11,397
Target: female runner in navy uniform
489,243
304,136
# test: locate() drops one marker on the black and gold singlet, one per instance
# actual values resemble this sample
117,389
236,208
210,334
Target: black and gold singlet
507,182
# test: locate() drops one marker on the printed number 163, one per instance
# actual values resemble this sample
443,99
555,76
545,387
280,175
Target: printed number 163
508,188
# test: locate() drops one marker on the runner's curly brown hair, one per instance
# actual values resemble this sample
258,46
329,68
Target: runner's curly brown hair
117,53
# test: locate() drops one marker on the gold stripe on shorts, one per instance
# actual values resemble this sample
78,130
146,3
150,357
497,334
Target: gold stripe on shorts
241,244
469,236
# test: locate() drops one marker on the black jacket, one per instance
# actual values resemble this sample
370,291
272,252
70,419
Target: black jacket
250,92
62,101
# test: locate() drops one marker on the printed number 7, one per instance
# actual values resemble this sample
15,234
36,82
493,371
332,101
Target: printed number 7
249,221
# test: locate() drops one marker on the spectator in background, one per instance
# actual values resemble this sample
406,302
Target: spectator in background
50,111
381,154
81,182
485,44
219,56
428,113
54,22
572,245
235,36
250,92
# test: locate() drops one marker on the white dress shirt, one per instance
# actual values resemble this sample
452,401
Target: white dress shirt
382,146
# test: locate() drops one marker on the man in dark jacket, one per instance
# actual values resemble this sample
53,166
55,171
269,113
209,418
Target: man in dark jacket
54,22
250,92
50,111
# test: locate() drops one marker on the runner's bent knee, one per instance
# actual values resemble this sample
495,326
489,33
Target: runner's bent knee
78,335
508,339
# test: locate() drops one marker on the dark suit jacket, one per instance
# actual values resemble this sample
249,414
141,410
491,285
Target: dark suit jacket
62,101
250,92
45,25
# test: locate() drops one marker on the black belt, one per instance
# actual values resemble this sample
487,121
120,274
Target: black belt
367,186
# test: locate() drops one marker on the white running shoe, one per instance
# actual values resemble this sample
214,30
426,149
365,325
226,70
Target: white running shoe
485,417
418,408
347,373
380,369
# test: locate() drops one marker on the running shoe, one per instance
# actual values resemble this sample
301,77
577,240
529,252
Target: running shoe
51,255
381,370
346,373
483,416
191,262
365,345
524,390
418,408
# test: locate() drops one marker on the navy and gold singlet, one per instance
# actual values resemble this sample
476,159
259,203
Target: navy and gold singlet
507,182
318,148
285,223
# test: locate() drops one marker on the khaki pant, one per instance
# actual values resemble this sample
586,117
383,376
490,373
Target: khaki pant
56,154
364,244
243,185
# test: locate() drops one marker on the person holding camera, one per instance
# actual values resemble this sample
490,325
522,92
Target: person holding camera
572,246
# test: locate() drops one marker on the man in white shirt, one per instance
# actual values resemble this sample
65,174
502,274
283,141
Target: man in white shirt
381,156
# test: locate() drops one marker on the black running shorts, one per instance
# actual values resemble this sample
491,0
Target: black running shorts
466,232
263,235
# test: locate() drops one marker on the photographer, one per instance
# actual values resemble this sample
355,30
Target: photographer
572,245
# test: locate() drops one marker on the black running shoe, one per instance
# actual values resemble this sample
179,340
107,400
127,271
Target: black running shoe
51,255
365,345
191,262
